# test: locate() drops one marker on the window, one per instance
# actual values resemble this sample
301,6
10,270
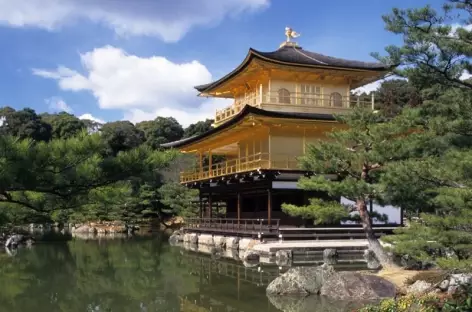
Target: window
310,95
336,99
284,96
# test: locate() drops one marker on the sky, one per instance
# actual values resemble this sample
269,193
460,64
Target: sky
138,59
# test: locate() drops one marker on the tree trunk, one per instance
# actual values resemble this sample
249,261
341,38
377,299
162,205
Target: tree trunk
374,243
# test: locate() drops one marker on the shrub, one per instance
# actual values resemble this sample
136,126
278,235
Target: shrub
460,302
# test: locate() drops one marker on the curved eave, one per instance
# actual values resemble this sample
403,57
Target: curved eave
256,54
240,116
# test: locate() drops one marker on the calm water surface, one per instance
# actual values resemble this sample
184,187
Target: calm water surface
138,274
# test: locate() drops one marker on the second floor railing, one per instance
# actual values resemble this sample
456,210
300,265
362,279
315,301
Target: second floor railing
233,225
299,101
241,164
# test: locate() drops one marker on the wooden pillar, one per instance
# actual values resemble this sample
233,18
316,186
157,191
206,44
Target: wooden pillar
269,205
201,206
239,207
270,152
210,208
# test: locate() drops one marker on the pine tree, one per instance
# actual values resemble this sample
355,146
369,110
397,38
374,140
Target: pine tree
435,182
350,163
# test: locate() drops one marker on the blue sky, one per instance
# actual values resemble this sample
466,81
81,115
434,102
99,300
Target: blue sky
121,59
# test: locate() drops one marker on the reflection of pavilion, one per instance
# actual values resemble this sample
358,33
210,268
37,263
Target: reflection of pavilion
227,285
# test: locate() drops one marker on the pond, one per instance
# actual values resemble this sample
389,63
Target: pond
135,274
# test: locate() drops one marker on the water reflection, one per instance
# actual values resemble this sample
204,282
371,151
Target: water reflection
137,274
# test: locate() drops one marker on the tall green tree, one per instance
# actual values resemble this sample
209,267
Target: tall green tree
198,128
396,94
24,124
161,130
356,157
47,176
121,136
64,125
434,183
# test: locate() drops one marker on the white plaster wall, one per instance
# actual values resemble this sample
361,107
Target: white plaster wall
393,213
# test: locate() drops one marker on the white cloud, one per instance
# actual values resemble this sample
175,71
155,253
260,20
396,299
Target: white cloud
142,87
169,20
57,104
90,117
201,112
465,75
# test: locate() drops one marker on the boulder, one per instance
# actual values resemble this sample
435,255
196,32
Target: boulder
357,287
15,240
283,257
84,228
371,259
176,238
444,285
232,243
205,239
251,256
330,256
301,281
245,244
419,287
460,279
219,241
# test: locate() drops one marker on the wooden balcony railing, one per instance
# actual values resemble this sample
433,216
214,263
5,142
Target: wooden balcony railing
247,163
233,225
299,101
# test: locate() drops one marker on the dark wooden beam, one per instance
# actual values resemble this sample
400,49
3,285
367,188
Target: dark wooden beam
269,205
239,207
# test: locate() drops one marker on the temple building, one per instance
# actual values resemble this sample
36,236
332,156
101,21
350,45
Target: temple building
283,100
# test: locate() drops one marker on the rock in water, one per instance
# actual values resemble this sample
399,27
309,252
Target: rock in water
14,240
176,238
357,286
283,257
301,281
251,256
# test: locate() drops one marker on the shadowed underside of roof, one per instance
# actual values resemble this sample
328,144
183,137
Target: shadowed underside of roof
240,116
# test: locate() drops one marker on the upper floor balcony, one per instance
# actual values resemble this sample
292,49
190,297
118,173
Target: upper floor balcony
297,102
256,161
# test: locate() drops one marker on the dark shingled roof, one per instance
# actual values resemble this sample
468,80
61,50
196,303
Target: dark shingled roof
296,56
243,113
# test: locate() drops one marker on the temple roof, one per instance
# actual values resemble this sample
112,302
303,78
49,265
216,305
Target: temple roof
240,116
296,56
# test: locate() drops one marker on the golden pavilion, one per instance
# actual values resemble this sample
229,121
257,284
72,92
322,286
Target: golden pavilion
282,101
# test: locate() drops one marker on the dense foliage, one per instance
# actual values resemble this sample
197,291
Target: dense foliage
461,301
435,182
56,167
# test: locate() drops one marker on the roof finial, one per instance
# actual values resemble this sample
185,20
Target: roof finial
290,33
